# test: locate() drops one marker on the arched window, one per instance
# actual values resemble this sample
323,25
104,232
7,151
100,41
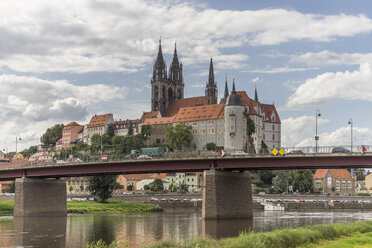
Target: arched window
156,92
170,93
179,94
163,92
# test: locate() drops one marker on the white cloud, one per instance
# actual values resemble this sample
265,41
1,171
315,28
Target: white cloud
331,58
295,130
256,80
84,36
29,105
355,85
341,137
279,70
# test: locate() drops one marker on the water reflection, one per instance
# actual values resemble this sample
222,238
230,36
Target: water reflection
143,229
40,231
226,228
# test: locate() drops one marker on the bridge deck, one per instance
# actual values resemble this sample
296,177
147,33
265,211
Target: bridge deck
189,164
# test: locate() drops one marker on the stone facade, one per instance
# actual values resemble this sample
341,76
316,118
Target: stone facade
40,197
339,179
227,195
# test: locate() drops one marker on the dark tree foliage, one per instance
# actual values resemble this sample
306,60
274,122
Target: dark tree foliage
52,135
130,129
156,185
128,143
302,180
110,130
103,186
360,174
146,131
213,147
266,176
264,148
251,128
29,152
130,187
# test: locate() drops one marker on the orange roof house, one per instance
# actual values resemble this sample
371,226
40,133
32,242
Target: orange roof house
336,173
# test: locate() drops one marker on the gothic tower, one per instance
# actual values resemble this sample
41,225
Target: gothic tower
176,77
211,87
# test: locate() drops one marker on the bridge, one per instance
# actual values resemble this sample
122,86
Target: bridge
226,191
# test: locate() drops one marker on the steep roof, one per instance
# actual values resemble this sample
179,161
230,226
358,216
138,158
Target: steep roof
268,110
246,101
99,120
146,115
184,103
72,124
154,121
206,112
336,173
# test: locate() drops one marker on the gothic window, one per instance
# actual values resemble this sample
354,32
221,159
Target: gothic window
163,91
179,94
170,93
156,106
156,92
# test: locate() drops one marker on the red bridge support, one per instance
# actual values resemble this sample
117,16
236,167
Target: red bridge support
40,197
227,195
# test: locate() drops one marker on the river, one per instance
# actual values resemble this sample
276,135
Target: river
141,229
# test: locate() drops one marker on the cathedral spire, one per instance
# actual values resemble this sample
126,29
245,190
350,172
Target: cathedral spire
233,87
226,89
255,95
160,68
211,73
175,70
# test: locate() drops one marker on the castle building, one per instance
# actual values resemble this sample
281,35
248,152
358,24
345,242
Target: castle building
223,123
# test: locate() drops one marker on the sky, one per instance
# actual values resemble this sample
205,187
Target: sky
63,61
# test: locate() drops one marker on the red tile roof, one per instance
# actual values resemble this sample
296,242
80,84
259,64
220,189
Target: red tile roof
176,105
154,121
246,101
268,109
99,120
146,115
206,112
336,173
71,124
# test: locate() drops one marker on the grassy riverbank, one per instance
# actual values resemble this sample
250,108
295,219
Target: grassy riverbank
311,236
91,207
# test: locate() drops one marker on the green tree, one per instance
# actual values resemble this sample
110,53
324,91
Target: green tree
213,147
179,136
302,180
130,187
146,131
130,129
103,186
281,181
110,130
71,189
264,148
52,135
360,174
184,187
95,139
29,152
81,188
251,127
267,176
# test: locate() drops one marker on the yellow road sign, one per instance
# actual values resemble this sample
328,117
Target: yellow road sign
282,151
275,151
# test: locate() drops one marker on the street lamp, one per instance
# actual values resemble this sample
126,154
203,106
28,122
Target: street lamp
17,138
317,114
351,134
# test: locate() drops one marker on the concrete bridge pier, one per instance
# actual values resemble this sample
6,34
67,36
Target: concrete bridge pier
227,195
40,197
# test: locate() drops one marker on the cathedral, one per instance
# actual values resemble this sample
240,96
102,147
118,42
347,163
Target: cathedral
223,123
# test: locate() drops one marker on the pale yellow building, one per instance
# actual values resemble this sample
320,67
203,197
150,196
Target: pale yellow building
77,186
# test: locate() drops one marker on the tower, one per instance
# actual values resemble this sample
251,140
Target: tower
211,87
176,78
226,94
255,95
235,123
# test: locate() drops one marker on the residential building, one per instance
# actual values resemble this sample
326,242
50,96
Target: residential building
98,125
334,181
193,180
138,181
77,186
2,155
70,133
368,182
122,127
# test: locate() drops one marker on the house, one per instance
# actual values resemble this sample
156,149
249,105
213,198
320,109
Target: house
98,125
77,186
70,133
334,181
193,180
123,126
138,181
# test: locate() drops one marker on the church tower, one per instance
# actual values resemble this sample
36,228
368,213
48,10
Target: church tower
211,87
176,77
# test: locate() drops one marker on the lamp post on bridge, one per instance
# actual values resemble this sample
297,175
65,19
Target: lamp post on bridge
7,151
16,156
351,134
317,114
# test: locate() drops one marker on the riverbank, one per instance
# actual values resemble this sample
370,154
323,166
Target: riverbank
310,236
91,207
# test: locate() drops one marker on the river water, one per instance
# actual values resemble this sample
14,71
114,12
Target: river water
142,229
